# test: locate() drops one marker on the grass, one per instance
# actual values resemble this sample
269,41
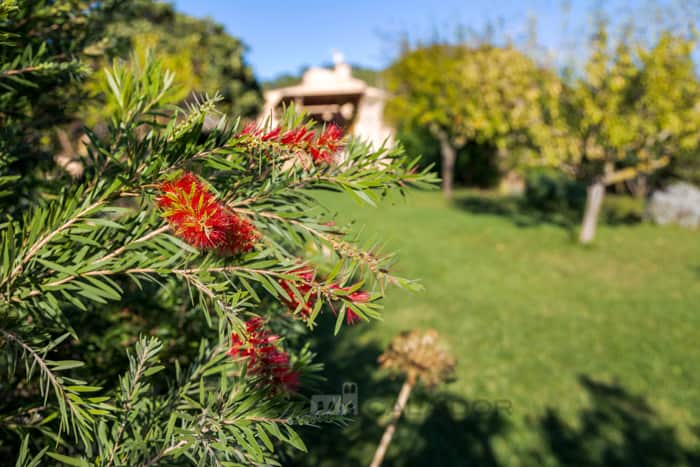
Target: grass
568,355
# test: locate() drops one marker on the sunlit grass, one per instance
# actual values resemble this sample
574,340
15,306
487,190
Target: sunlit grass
528,313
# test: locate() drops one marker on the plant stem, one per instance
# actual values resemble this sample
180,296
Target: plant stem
391,428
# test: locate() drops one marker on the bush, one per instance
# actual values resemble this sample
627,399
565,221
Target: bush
476,164
157,310
623,209
550,192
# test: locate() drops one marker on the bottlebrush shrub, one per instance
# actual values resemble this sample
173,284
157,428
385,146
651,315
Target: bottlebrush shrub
138,304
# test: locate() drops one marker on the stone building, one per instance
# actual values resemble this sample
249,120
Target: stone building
334,95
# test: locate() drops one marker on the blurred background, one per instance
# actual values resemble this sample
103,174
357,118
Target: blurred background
560,259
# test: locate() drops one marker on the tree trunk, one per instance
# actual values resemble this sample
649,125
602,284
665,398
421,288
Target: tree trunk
641,187
389,432
449,156
594,200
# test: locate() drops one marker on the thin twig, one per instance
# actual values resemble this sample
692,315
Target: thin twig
164,453
127,407
20,71
121,250
40,244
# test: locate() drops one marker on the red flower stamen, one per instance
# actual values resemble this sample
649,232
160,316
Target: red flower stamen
320,146
303,285
202,220
351,317
265,360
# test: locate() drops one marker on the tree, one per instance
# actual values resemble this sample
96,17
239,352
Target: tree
45,51
485,94
49,88
632,111
209,58
155,310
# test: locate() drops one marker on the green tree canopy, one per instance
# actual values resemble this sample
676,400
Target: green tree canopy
52,83
633,110
484,94
46,48
205,56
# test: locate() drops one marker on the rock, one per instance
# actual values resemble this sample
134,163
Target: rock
678,204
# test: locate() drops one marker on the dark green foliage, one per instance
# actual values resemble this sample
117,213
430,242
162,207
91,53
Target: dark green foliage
113,331
685,167
49,53
623,209
476,165
210,60
43,54
45,48
551,192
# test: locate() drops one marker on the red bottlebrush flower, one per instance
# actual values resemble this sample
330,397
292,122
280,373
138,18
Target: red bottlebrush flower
253,324
321,155
351,317
250,129
330,138
320,146
237,349
194,212
359,296
303,287
240,236
327,144
297,136
289,380
201,220
265,360
271,135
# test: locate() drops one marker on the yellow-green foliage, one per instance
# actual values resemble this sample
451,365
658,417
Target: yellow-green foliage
633,106
203,56
486,94
143,45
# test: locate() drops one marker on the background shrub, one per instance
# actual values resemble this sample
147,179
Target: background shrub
551,192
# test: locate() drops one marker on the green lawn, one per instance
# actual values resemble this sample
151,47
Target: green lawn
591,355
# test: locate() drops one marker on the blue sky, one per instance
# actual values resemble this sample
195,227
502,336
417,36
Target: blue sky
283,36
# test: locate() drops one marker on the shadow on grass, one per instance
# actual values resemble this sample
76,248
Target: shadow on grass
437,428
516,210
618,211
618,429
444,429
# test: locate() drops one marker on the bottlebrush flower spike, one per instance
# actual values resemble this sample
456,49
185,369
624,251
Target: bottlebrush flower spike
351,317
327,144
359,296
297,137
271,135
303,285
265,360
321,146
202,220
250,129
